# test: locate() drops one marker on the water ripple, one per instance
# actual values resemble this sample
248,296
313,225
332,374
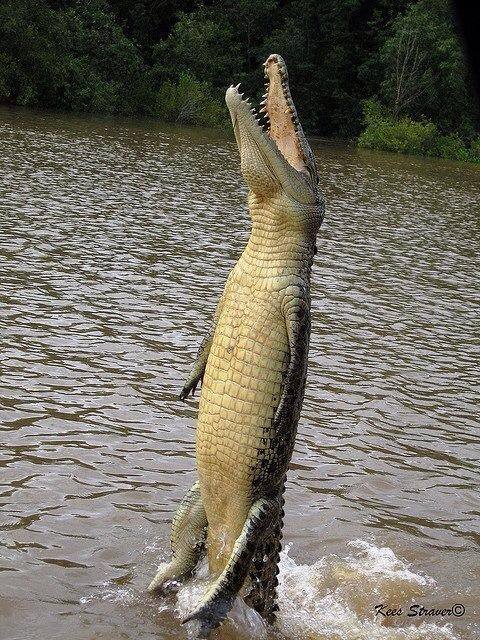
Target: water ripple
116,239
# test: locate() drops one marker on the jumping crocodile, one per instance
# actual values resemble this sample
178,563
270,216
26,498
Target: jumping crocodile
252,367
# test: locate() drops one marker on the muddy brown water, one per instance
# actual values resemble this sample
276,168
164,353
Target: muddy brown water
116,238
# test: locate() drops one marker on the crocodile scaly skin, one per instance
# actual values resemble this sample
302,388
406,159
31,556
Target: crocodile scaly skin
242,384
252,365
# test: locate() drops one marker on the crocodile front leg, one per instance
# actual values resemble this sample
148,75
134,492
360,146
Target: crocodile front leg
198,368
187,540
220,597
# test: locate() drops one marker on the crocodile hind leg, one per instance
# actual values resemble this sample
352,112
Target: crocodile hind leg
264,569
187,540
219,599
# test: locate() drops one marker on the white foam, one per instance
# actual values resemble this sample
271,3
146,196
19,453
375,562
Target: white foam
335,598
111,592
332,599
381,561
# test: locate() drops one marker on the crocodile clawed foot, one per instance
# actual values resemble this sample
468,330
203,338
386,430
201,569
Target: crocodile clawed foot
184,393
190,386
209,616
165,582
165,588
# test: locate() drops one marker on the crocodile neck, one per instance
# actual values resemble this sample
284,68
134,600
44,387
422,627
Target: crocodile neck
274,249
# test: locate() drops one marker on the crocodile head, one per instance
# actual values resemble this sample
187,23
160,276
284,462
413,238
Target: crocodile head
276,158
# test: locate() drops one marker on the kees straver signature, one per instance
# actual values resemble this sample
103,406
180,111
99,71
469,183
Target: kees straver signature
419,610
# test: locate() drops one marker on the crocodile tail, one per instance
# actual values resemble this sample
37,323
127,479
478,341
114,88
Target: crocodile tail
264,569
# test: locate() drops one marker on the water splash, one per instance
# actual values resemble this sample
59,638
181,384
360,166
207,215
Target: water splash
243,622
332,599
335,598
111,592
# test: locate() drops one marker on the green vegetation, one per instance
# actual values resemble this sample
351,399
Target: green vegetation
189,101
424,104
404,135
390,73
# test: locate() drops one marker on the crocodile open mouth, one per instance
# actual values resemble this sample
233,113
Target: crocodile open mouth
280,115
277,119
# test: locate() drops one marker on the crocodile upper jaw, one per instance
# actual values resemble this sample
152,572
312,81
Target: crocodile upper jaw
273,138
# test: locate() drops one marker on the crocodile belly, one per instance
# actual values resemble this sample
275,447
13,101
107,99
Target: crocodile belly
240,393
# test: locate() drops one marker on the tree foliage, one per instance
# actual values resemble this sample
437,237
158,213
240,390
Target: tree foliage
76,58
174,58
425,73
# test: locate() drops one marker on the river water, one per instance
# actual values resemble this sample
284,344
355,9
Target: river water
116,239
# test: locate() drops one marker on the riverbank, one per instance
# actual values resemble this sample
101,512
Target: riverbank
189,103
117,59
404,135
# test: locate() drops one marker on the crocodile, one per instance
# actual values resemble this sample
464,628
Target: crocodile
252,368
